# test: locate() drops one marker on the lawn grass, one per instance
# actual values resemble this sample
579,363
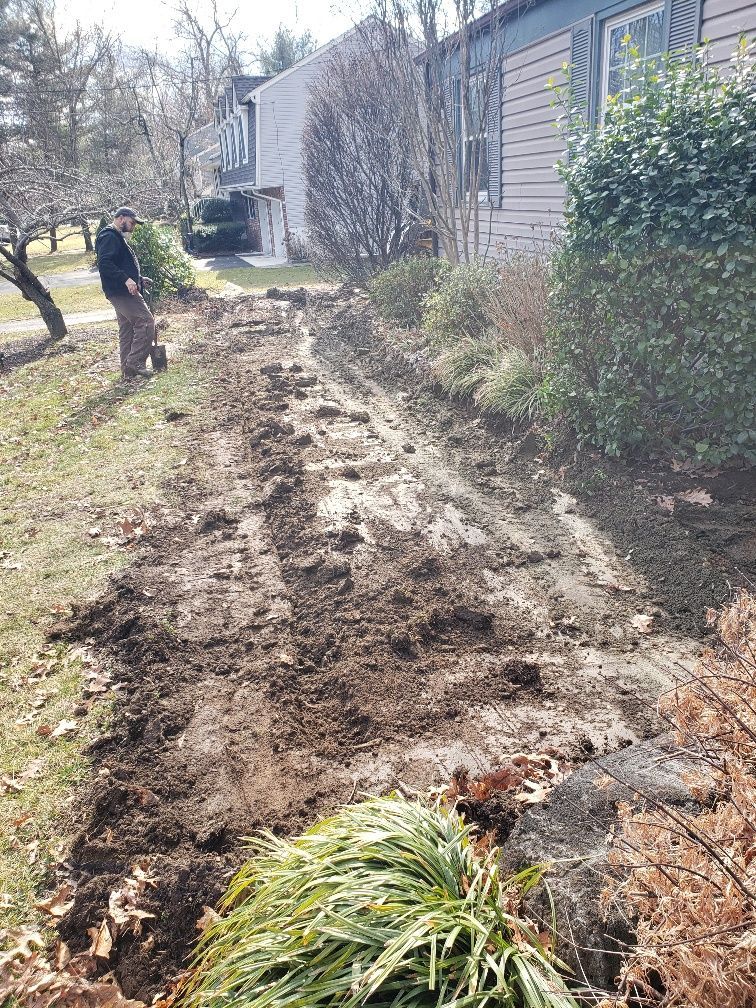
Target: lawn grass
69,240
88,297
259,279
60,262
78,451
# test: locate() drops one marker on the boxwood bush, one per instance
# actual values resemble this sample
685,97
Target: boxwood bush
226,236
653,287
456,307
162,259
216,209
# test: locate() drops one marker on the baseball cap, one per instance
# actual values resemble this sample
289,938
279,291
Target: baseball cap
127,211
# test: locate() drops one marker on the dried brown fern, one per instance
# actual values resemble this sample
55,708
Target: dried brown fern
689,878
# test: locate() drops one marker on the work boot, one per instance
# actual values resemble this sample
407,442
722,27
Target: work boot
137,372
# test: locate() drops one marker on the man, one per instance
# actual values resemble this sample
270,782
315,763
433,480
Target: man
122,283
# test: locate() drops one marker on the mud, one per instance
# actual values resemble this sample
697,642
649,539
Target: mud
358,588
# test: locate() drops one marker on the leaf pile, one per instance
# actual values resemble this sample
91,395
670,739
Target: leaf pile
386,903
692,876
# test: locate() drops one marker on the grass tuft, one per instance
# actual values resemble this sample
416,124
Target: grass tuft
512,386
465,365
384,904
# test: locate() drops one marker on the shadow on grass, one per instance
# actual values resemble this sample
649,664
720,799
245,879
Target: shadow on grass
101,406
18,353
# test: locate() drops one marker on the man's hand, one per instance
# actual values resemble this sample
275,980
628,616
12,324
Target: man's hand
131,287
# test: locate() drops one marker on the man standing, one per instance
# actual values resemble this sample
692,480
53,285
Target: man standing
122,283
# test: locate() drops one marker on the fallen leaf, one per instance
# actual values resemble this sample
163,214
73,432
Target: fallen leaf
209,916
666,503
64,728
94,531
59,903
642,622
102,941
697,496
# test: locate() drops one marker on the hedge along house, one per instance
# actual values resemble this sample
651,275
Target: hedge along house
260,127
521,196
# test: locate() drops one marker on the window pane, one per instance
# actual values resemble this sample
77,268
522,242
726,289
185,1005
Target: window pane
616,80
655,37
616,52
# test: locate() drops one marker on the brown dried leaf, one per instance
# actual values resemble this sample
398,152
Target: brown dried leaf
59,903
666,503
64,728
642,622
102,941
697,496
209,916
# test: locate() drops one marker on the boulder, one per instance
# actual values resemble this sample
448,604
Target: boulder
572,831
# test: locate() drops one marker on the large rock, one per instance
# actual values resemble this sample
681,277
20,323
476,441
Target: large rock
572,829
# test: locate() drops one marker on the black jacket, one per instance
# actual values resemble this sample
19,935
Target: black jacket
116,263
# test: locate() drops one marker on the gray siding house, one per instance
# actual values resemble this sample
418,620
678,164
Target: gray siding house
525,196
260,123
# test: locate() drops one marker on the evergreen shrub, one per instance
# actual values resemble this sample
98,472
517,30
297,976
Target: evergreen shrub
215,210
225,236
456,307
161,258
399,292
652,295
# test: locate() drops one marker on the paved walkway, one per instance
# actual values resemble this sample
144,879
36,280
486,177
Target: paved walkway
76,318
80,277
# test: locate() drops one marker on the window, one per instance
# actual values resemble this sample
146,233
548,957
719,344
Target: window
242,151
251,207
475,138
224,153
233,145
642,28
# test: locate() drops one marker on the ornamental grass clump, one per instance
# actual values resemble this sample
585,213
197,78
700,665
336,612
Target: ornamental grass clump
385,904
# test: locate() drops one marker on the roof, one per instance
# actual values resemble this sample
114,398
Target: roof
243,84
201,141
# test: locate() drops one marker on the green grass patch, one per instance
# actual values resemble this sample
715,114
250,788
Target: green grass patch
69,240
89,297
78,451
66,262
251,278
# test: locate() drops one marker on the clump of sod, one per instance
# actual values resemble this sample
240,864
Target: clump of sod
387,904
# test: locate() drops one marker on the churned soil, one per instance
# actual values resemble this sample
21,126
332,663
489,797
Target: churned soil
361,587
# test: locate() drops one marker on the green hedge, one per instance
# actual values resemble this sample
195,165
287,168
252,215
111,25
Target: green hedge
215,210
226,236
399,292
162,259
653,285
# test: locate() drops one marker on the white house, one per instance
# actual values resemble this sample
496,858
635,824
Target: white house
259,123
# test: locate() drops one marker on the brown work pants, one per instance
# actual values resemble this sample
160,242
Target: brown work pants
136,330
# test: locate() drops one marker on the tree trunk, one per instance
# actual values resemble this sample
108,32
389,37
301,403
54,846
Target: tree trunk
53,239
86,232
32,289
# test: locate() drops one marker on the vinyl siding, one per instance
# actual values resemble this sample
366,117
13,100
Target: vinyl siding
283,109
722,21
532,194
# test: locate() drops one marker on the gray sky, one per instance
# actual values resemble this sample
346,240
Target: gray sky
148,22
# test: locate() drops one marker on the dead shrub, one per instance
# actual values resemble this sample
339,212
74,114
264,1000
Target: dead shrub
517,306
689,878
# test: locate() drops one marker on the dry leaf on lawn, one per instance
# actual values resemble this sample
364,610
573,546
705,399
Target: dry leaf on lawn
64,728
59,903
666,503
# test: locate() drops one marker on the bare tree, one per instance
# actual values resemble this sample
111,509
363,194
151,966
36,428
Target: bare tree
446,63
362,191
211,52
283,50
36,198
